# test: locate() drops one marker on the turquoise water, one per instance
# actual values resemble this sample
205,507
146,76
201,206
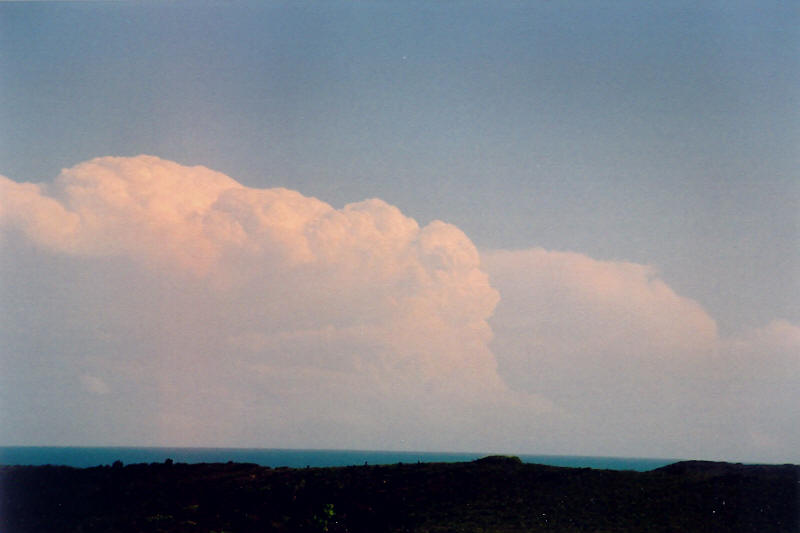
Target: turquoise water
87,456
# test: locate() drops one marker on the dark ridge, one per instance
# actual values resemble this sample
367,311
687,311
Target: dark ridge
499,460
721,468
497,494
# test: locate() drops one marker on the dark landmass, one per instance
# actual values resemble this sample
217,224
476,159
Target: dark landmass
494,494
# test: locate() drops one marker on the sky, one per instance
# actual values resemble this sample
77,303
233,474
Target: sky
524,227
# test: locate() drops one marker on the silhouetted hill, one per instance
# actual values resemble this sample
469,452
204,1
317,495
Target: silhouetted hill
496,494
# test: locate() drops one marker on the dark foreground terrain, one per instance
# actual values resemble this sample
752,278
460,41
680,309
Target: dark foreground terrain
495,494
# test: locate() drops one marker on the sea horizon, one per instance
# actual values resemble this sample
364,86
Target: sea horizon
90,456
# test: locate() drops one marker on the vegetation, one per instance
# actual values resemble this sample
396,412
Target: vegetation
494,494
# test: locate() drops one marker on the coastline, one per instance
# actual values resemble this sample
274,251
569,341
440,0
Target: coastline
89,456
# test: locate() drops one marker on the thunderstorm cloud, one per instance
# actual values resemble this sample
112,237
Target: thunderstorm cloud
149,302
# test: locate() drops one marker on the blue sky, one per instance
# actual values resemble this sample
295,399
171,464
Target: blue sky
665,134
660,134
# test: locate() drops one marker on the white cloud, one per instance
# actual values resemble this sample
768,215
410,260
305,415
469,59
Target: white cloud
639,366
239,305
568,310
219,314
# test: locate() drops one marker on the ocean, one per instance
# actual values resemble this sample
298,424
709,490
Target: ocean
82,457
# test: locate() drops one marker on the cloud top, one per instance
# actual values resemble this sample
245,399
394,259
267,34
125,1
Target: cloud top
191,219
584,305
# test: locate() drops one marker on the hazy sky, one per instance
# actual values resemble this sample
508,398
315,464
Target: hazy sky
542,227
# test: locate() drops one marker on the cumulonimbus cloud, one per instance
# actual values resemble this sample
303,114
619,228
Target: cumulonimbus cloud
280,287
166,304
574,306
612,343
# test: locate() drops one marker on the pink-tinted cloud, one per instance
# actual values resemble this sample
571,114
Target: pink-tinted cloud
245,305
573,306
146,302
639,365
